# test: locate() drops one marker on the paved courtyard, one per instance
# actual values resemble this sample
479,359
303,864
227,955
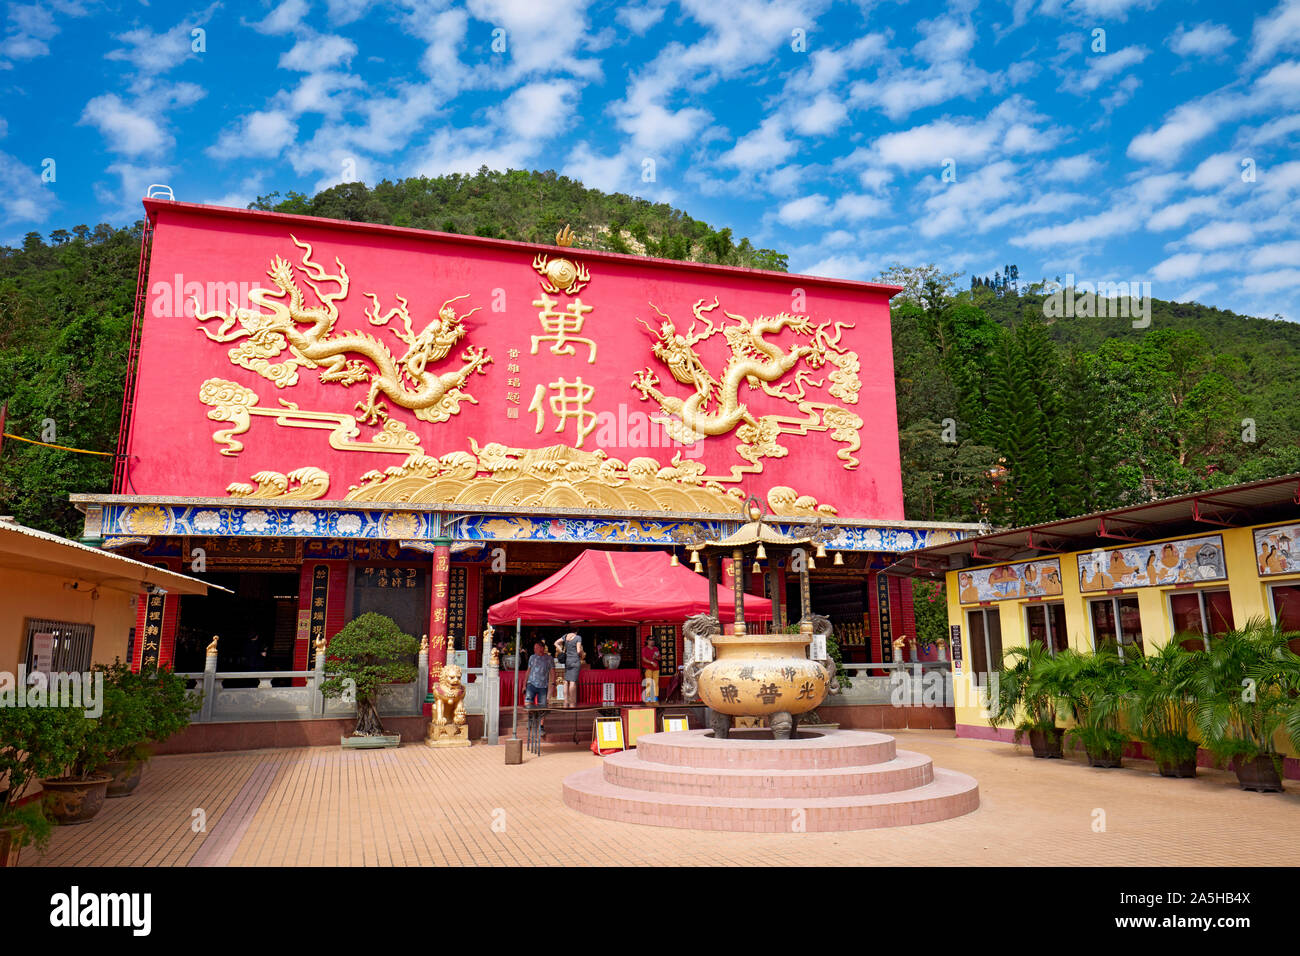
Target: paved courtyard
416,806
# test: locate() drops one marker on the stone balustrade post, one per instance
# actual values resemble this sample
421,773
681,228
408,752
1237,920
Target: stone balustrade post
492,698
316,680
209,681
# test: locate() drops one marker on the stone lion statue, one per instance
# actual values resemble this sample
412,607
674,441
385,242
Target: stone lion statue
449,692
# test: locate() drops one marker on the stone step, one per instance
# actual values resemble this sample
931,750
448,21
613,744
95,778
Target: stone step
950,794
906,771
700,749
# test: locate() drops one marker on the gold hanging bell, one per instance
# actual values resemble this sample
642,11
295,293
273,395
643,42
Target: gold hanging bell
821,550
761,553
812,564
674,562
839,559
757,568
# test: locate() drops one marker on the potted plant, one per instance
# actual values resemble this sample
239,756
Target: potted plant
1094,688
155,706
1017,699
930,609
32,745
610,653
369,652
508,661
81,745
1163,705
1247,686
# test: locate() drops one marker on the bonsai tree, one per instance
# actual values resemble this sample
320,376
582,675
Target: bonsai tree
1163,705
369,652
1094,688
1017,699
1246,687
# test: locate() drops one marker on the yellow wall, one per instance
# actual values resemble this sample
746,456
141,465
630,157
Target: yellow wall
24,594
1247,587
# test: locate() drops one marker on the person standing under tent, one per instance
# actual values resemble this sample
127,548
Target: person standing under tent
569,649
539,677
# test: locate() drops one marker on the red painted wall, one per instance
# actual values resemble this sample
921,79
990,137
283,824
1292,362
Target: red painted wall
195,249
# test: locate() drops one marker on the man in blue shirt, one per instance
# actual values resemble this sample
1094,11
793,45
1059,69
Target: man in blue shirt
539,677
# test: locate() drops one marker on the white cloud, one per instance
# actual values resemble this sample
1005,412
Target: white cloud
260,134
283,19
1221,169
1276,32
1099,68
1186,124
1176,215
1203,39
1276,254
1280,179
1269,282
818,209
128,130
945,39
124,202
761,148
316,54
823,115
845,267
1281,83
1100,226
606,173
1072,169
1197,293
540,109
1216,235
23,197
641,18
902,92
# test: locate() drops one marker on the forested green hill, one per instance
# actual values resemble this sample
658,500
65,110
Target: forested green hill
1004,414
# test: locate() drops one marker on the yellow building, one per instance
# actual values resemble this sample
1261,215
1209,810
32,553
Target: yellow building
1201,563
65,606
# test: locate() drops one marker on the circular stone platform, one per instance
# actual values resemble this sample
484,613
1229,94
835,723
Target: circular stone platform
836,780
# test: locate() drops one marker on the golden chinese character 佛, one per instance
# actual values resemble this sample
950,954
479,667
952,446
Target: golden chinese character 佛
570,401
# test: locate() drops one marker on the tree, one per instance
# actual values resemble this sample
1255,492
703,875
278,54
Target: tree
369,652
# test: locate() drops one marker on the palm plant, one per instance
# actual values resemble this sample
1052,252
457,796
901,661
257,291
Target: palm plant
1163,705
1094,688
1015,698
1247,687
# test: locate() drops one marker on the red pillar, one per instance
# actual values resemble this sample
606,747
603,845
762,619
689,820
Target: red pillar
438,610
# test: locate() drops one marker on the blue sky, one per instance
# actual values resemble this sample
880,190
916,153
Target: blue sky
1116,140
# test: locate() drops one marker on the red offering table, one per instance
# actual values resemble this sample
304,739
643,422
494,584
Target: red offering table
626,681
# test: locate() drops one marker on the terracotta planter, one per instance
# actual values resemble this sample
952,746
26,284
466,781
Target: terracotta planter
126,776
1046,743
1258,774
9,848
1185,768
68,802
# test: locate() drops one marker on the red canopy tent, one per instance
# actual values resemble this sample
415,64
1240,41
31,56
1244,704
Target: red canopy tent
620,586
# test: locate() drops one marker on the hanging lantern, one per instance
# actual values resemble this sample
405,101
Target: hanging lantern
821,550
761,553
839,559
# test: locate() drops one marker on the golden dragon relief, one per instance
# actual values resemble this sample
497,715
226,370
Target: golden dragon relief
282,322
715,408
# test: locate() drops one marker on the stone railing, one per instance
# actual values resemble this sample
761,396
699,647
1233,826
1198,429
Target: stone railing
866,687
305,702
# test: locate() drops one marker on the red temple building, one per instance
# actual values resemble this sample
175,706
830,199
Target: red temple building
329,418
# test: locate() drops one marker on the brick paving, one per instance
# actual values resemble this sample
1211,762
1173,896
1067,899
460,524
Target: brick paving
320,806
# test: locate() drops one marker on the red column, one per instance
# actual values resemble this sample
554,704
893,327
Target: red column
438,611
